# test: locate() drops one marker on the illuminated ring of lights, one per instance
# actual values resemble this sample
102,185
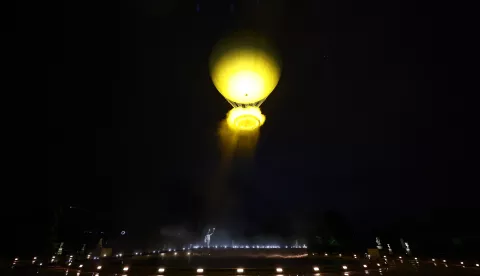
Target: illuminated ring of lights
247,122
245,119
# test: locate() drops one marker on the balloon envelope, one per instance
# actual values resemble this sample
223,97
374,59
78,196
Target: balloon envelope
244,69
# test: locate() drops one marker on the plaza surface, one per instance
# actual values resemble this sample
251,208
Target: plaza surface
223,265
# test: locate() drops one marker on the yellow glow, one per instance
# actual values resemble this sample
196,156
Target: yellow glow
243,69
245,119
235,142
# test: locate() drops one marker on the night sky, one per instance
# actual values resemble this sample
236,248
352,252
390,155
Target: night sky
368,115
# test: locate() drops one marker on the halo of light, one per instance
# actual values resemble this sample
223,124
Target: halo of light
245,118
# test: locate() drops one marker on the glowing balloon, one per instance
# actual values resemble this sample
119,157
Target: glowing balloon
245,71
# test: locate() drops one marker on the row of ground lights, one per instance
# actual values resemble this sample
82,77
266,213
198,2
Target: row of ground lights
239,270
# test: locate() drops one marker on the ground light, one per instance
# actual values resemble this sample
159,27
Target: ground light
239,270
199,270
161,270
316,268
279,270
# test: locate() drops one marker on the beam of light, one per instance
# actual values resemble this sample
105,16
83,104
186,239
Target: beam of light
239,133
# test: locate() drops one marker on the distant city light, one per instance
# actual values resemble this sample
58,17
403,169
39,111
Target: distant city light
80,265
188,253
365,266
477,264
444,261
125,268
315,268
461,263
326,254
239,270
99,267
175,253
344,267
199,270
355,256
279,269
161,270
378,264
433,260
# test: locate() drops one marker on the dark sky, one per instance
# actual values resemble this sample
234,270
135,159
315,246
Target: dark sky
367,115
